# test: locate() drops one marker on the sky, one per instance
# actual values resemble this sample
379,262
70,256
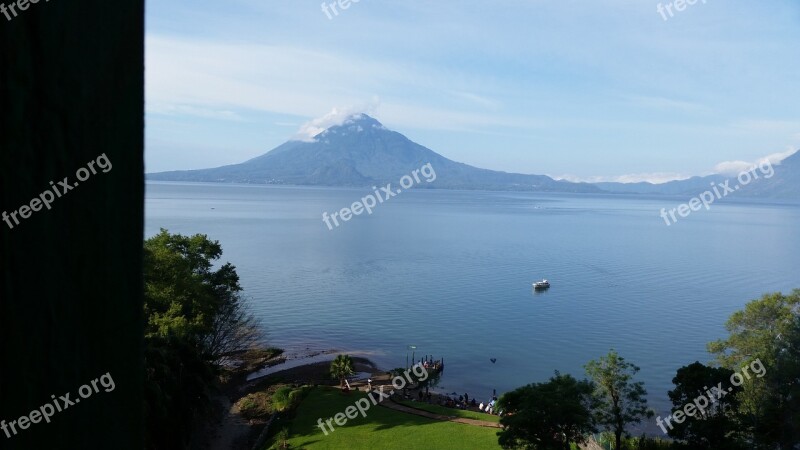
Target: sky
576,89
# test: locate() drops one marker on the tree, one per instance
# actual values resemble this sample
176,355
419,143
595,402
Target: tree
780,422
233,330
714,426
766,334
621,401
194,318
547,416
177,385
341,368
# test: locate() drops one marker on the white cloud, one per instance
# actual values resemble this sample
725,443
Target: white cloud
723,168
737,167
775,127
300,81
337,116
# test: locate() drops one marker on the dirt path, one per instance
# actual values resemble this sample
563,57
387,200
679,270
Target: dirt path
408,410
233,432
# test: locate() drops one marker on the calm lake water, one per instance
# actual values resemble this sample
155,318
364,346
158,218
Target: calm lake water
451,272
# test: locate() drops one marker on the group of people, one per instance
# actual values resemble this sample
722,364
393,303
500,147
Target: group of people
434,365
464,402
488,407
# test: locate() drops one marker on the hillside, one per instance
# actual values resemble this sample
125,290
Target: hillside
362,152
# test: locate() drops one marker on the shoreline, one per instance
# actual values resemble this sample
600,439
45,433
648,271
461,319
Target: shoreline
287,362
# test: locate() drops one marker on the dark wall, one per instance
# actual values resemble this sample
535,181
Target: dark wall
71,89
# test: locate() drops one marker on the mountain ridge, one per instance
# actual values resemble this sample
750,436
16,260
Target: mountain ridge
362,152
784,183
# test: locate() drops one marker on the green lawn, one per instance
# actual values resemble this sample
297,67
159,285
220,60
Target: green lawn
382,428
436,409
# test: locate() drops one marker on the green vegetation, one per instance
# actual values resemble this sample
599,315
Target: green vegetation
607,441
282,440
257,404
767,330
751,402
451,412
717,428
341,368
382,428
278,398
287,397
197,331
195,321
622,401
547,416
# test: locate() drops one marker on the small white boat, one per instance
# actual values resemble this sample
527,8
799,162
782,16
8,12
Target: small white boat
539,285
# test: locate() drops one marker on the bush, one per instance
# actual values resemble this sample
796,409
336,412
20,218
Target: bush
606,441
256,405
281,441
287,398
645,443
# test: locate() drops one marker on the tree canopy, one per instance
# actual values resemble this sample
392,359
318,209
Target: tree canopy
547,416
194,319
341,368
621,401
713,427
767,331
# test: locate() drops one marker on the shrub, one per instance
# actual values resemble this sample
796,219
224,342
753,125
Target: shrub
256,405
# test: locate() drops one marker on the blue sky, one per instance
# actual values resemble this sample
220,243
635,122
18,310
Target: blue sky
590,90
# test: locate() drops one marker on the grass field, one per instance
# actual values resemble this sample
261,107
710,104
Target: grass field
436,409
382,428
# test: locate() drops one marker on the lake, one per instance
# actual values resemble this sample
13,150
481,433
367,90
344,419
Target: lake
451,271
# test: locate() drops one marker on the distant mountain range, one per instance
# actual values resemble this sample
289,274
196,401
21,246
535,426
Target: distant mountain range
782,184
362,152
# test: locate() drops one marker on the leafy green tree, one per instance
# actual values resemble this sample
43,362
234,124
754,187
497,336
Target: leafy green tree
621,401
185,297
780,423
766,334
714,427
547,416
341,368
194,319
